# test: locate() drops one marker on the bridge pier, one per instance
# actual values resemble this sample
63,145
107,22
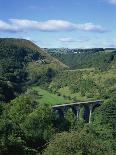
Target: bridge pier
76,110
90,111
91,108
87,112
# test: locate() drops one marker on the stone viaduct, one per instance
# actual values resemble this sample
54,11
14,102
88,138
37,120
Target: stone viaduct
89,106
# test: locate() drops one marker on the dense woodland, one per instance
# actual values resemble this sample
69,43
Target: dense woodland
31,81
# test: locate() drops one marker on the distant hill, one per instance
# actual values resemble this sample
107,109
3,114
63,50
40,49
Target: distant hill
86,58
22,62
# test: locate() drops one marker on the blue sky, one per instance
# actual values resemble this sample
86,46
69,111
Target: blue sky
60,23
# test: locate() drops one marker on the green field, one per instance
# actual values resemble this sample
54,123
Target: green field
49,98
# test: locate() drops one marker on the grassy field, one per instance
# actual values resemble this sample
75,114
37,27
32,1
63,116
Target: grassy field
49,98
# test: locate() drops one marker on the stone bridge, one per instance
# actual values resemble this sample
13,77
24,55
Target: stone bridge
89,106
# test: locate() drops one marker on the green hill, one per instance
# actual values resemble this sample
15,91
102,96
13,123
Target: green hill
27,44
22,62
86,58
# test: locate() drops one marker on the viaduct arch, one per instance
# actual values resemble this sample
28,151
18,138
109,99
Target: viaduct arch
89,106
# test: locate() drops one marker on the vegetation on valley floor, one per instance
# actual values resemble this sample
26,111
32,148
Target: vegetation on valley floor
31,81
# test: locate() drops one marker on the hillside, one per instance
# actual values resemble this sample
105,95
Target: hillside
27,44
98,58
22,62
82,85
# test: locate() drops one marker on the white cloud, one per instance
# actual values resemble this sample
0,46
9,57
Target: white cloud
104,44
50,25
4,26
16,25
91,27
71,40
112,1
110,44
67,40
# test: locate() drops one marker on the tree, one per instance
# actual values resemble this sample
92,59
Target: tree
78,143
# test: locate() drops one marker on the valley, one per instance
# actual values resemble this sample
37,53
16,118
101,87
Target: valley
32,80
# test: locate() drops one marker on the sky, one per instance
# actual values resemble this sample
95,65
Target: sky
60,23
